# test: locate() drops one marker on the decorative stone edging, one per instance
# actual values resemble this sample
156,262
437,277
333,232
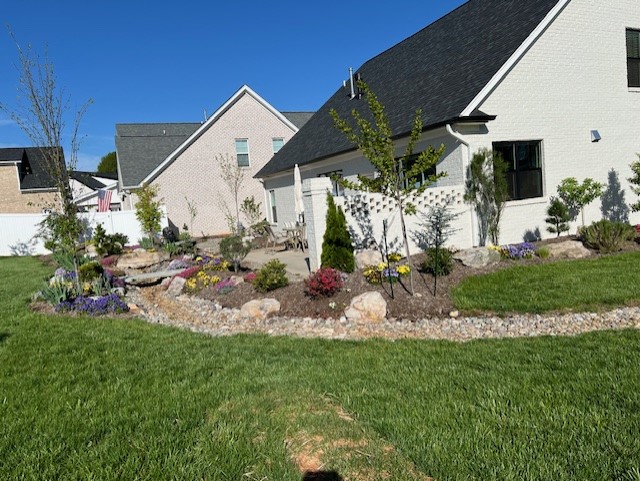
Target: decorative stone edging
201,315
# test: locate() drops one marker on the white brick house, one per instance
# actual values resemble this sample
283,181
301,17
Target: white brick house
183,159
529,78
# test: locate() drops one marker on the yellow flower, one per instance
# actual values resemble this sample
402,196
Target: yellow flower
382,266
395,257
403,270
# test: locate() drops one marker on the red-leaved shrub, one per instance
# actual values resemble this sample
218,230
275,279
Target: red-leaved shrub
250,277
185,274
326,281
109,260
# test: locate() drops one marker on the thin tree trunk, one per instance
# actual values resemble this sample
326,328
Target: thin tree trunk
406,245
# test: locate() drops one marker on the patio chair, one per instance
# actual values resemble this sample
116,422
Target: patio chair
275,239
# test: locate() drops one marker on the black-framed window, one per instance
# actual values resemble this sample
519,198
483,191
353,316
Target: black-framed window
633,57
422,178
524,167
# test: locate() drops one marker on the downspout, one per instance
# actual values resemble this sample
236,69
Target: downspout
465,166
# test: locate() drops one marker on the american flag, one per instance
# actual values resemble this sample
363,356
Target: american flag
104,200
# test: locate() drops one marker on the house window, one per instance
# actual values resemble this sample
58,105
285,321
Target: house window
277,144
336,188
633,57
272,204
524,167
242,152
422,178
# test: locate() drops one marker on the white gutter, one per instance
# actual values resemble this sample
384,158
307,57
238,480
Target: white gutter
465,166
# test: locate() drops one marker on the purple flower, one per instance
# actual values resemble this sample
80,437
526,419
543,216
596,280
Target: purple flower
94,306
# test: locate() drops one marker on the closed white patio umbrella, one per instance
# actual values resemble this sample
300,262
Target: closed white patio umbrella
297,189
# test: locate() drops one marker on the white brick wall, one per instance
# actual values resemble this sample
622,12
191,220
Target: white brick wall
195,174
573,80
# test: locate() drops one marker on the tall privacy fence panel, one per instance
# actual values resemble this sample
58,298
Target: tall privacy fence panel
366,213
18,232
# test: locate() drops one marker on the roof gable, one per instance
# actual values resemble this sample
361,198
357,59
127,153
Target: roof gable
32,167
441,70
233,100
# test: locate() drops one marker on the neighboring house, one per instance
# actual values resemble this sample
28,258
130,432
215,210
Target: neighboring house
25,185
183,159
553,85
85,187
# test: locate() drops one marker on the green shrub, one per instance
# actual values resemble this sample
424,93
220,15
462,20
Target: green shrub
607,236
558,217
234,249
89,271
271,276
337,249
443,267
108,244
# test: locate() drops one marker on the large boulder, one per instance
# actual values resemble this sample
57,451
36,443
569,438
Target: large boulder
368,257
477,257
141,259
259,309
367,307
569,249
175,287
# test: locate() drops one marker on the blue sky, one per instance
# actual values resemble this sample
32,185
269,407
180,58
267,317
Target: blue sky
168,62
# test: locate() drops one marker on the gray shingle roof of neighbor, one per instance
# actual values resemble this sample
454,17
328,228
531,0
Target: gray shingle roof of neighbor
298,118
32,170
439,70
143,147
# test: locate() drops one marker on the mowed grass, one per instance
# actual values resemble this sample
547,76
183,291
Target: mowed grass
577,285
103,399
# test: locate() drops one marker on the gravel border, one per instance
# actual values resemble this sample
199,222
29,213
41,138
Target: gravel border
201,315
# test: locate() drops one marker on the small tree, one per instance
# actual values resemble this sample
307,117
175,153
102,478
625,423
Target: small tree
487,191
397,177
148,210
233,177
252,212
234,250
576,196
41,113
634,180
193,212
438,230
558,217
337,249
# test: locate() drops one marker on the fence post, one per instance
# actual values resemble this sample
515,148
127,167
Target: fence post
314,194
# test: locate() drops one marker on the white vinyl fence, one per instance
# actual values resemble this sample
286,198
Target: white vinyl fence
18,231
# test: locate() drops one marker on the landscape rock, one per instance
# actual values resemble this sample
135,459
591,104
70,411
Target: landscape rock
140,259
237,280
90,251
367,307
569,249
176,287
477,257
368,257
259,309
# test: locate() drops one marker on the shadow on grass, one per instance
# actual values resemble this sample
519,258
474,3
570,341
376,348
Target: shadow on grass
4,336
322,476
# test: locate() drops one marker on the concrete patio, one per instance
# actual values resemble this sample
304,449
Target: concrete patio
297,261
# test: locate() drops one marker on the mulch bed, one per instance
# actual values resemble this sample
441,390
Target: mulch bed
400,304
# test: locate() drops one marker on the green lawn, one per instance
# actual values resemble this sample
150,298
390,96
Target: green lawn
101,399
578,285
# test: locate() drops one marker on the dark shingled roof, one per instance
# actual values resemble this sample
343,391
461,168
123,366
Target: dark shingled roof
32,169
440,70
87,178
298,118
143,147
